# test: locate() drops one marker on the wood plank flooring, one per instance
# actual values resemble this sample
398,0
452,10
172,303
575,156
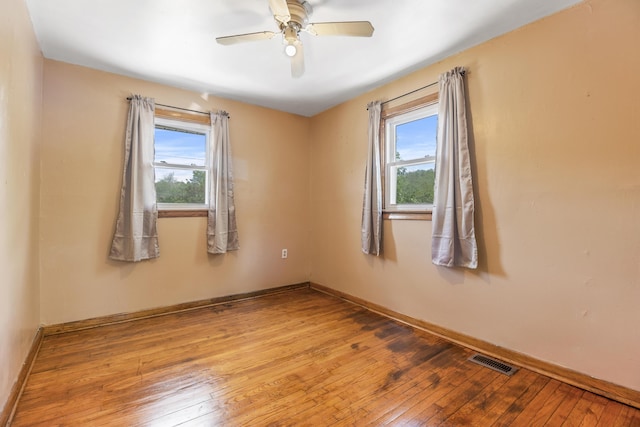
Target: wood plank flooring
295,358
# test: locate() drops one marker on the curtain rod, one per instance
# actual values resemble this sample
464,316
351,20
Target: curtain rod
415,90
177,108
409,93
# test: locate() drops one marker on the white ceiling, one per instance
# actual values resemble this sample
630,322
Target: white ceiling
173,42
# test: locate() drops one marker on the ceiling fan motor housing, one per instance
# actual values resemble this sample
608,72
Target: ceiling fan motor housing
299,13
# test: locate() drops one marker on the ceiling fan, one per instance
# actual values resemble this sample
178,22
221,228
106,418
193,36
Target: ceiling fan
292,16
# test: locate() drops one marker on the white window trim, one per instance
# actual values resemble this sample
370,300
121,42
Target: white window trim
189,127
390,125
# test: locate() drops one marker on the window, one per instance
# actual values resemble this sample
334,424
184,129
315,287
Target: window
409,156
181,164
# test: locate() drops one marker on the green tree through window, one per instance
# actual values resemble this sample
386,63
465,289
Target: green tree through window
170,190
415,187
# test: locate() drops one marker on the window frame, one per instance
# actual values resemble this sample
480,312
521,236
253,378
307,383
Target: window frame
391,115
192,124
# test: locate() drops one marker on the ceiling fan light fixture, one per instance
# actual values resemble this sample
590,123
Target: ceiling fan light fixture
290,49
290,33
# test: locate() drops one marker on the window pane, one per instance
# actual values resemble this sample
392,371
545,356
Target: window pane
180,148
416,139
180,186
414,184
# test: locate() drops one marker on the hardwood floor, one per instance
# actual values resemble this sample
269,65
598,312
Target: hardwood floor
295,358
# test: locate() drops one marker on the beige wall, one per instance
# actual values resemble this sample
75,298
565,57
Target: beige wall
83,127
556,116
20,116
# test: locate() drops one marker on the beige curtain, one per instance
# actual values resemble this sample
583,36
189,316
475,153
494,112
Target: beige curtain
222,232
372,200
453,240
136,237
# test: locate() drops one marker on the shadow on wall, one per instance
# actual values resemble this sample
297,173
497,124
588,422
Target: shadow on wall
489,263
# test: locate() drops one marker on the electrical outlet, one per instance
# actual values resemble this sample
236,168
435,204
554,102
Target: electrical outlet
284,253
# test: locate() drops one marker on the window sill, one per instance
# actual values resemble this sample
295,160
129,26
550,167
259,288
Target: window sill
184,213
408,216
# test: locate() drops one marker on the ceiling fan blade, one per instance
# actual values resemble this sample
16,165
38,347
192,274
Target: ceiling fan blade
353,28
241,38
280,10
297,61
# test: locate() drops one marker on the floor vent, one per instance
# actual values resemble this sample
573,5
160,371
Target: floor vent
494,364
